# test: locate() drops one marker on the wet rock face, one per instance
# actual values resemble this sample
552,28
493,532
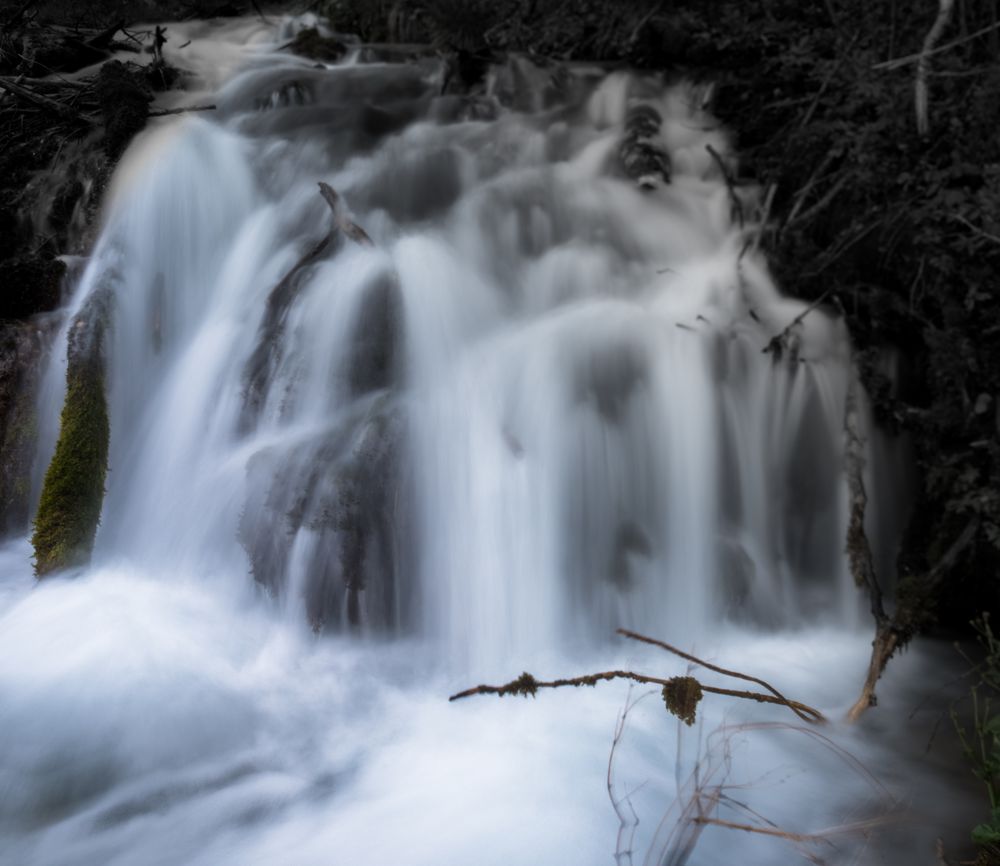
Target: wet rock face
335,498
608,378
21,360
412,187
376,350
312,44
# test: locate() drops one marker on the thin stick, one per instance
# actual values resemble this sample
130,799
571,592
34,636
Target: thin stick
163,112
768,203
900,62
777,344
976,229
528,685
764,831
734,199
780,698
823,203
52,105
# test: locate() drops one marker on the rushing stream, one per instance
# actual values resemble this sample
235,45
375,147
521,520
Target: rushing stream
533,409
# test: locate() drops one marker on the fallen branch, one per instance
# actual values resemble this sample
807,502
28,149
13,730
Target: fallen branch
260,368
681,694
58,108
891,633
163,112
102,41
765,831
816,716
526,685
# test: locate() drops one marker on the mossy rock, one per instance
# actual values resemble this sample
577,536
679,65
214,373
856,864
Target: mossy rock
73,493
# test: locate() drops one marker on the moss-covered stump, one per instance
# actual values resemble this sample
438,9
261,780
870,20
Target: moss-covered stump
73,493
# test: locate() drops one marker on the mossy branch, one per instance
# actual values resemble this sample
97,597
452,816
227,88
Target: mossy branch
807,714
680,694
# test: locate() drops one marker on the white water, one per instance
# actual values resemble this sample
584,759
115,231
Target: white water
536,410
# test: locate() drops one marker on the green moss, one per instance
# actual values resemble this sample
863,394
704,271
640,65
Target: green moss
73,493
682,696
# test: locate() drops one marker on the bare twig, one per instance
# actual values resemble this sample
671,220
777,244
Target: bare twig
526,685
734,199
859,553
163,112
58,108
623,851
976,229
765,831
823,203
815,714
892,634
900,62
765,215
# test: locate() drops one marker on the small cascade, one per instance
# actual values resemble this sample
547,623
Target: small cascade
534,405
409,388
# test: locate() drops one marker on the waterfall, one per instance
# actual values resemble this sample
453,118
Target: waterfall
540,405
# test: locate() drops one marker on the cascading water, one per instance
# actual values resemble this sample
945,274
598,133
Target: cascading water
534,409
